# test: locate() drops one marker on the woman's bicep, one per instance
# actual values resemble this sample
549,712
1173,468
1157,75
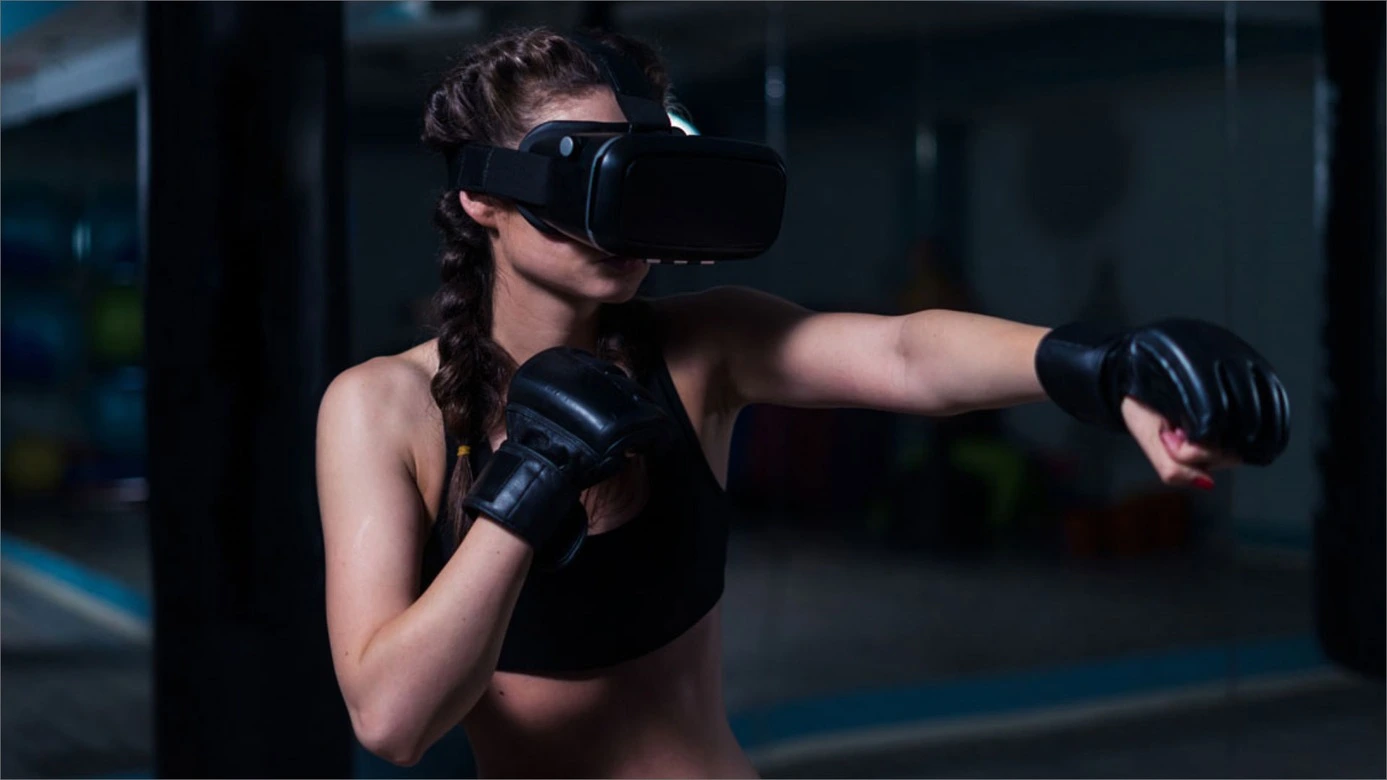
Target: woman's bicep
373,519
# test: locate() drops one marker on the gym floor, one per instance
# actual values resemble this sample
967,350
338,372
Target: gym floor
839,662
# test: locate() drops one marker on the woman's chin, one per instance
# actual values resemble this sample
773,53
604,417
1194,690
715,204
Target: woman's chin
617,283
617,295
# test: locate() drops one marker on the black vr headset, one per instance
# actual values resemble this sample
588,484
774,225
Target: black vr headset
640,188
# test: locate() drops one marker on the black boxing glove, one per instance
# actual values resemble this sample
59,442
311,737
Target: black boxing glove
1204,379
571,420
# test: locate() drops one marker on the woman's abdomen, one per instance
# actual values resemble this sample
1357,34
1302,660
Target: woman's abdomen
659,715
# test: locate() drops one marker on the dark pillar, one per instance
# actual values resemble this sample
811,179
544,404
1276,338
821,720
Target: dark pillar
1349,531
242,180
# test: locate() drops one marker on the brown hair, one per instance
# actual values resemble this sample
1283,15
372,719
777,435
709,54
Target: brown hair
492,96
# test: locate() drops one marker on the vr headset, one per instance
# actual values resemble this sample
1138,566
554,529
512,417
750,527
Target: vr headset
639,188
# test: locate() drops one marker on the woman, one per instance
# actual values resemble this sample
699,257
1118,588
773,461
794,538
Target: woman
550,388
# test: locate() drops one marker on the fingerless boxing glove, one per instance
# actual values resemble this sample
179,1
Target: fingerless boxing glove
571,421
1197,375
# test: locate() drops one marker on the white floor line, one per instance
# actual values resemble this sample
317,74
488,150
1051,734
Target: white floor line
925,733
98,611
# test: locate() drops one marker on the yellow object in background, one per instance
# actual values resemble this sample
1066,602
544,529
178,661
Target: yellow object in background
34,465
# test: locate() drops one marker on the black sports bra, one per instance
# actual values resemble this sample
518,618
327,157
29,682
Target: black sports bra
630,590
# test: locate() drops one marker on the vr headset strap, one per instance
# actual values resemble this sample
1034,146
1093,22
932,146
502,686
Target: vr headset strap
498,171
525,177
634,92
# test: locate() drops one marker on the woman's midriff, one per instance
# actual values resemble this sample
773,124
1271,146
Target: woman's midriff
660,715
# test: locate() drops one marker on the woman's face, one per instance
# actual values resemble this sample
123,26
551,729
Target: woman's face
564,267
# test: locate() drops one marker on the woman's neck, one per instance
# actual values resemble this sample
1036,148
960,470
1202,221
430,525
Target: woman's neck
527,320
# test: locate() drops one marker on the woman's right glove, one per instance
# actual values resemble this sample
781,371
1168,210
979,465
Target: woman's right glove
571,421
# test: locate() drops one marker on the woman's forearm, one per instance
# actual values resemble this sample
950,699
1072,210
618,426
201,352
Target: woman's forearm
962,362
424,670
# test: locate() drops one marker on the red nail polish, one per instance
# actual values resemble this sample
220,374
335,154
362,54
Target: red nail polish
1203,483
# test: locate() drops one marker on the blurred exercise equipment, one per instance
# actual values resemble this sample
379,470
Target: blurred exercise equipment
115,326
116,411
36,231
109,237
39,336
34,465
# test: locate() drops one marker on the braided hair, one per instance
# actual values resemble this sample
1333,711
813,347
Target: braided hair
491,96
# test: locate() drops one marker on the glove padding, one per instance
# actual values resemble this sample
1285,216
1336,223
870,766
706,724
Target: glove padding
1204,379
571,420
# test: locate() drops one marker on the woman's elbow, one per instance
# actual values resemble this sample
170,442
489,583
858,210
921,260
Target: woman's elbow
388,735
399,726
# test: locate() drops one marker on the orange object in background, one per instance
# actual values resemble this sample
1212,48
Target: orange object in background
1083,532
1139,525
1154,522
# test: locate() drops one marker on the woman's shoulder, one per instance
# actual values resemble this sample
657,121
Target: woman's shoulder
708,318
701,330
388,378
388,396
729,300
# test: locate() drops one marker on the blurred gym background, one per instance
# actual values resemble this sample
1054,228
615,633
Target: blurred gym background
209,209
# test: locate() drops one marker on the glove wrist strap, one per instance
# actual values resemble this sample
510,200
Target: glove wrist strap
531,497
1076,369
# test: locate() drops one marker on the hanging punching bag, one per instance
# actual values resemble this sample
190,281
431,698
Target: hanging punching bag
1349,529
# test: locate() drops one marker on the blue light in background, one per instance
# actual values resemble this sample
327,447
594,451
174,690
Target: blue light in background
16,17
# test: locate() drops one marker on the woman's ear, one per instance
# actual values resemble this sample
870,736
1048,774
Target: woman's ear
483,209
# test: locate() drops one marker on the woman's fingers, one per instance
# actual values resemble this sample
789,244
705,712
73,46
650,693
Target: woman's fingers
1176,459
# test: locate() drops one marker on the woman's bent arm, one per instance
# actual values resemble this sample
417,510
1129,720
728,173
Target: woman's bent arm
410,666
